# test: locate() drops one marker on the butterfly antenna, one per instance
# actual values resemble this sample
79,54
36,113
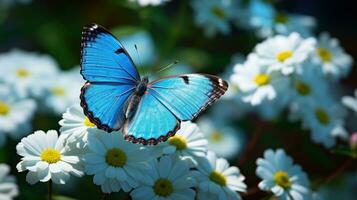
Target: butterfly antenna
139,60
168,66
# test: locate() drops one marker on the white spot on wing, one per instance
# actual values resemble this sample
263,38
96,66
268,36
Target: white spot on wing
220,82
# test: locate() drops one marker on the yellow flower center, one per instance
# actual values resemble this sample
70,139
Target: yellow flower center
302,88
163,187
282,179
22,73
58,91
262,79
324,54
282,56
88,123
322,116
218,178
216,136
115,157
281,18
4,108
179,142
219,12
50,155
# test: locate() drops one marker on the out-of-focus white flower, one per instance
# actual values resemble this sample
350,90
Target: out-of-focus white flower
280,176
224,140
169,178
257,81
9,3
262,16
111,160
308,85
351,102
28,73
344,187
64,91
334,60
15,113
259,15
214,15
144,52
188,143
46,156
8,187
289,23
284,53
217,177
325,119
77,126
150,2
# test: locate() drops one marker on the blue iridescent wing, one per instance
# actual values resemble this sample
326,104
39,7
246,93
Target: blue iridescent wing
111,78
186,96
104,104
104,59
152,123
169,101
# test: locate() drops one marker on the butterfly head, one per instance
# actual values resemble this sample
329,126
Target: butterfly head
142,86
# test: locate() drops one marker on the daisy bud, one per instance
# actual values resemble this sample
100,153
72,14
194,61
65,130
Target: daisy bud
353,141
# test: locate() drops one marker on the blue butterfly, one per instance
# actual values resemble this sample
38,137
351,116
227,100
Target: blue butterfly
115,97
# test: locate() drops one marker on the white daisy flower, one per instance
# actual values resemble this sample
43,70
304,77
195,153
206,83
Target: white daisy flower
75,124
150,2
325,119
308,85
257,82
284,53
8,187
214,15
64,91
169,178
28,73
217,177
46,156
224,140
15,113
334,60
280,176
188,142
111,157
351,102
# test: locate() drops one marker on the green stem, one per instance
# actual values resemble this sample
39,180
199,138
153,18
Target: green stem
50,190
253,142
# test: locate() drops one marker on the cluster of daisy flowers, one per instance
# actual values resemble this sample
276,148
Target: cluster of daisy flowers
299,74
260,16
181,168
33,83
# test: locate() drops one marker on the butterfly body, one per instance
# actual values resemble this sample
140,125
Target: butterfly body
115,97
134,100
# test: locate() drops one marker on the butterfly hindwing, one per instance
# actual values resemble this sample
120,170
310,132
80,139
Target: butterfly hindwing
169,101
188,95
152,123
104,104
104,59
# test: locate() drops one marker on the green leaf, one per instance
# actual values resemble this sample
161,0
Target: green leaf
58,197
345,151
